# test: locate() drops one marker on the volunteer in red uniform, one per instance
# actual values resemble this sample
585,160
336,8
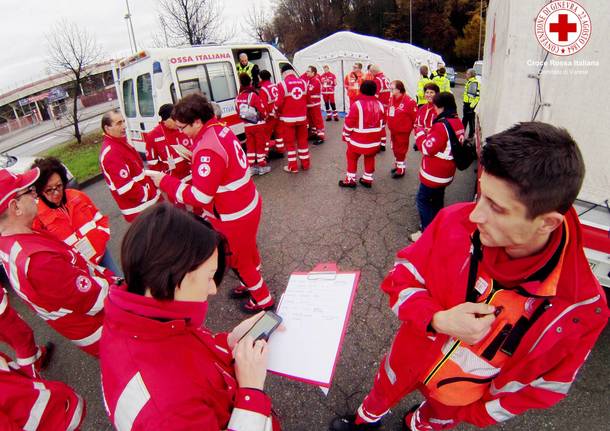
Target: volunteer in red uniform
268,93
382,93
499,307
161,367
400,117
62,287
362,132
223,192
329,82
291,108
247,103
314,105
70,215
160,154
426,114
123,169
28,402
351,83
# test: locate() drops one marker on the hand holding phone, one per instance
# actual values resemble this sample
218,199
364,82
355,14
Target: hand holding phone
264,326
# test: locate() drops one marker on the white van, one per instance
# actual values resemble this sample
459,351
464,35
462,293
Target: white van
153,77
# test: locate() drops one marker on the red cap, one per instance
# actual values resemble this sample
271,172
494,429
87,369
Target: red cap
11,184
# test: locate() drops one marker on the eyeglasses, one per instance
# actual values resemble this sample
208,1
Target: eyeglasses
51,190
182,127
29,191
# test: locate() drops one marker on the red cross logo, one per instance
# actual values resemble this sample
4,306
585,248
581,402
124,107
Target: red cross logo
563,27
83,284
297,93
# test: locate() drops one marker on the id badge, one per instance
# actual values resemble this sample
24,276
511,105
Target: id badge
391,113
85,248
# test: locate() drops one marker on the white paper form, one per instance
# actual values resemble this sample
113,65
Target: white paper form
314,312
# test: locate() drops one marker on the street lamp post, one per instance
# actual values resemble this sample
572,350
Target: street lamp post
133,35
411,22
480,28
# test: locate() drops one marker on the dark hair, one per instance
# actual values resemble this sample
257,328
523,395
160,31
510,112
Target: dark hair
164,244
286,67
423,70
313,69
441,71
107,118
165,111
358,65
193,107
368,88
264,74
400,86
49,166
445,100
431,86
244,79
541,161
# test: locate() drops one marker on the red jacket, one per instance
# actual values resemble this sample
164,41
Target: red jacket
364,125
401,114
314,92
351,83
249,97
437,165
291,104
160,156
431,275
58,284
124,173
162,371
36,404
383,88
78,223
268,94
221,185
426,114
329,82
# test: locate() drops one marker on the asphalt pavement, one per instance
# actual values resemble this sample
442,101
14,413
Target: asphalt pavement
308,219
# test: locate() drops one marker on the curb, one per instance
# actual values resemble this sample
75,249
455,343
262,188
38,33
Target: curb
90,181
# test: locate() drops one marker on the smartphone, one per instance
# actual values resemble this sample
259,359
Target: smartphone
264,327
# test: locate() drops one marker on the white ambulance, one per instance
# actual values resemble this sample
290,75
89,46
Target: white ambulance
156,76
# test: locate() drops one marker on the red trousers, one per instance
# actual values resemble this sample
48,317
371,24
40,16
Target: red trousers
399,375
256,144
16,333
295,139
316,123
273,127
400,147
352,164
245,259
330,98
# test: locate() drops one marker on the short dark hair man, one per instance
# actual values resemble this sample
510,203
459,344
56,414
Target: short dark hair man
499,307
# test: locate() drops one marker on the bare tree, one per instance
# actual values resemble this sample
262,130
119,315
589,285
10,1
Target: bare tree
73,51
192,22
257,23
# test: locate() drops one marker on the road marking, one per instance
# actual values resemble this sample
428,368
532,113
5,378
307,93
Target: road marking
45,139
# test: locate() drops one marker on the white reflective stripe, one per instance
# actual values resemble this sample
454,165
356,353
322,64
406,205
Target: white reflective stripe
472,364
99,302
304,157
4,365
108,179
12,263
264,301
125,188
130,403
313,105
87,227
303,150
187,178
22,362
292,119
369,417
540,383
388,370
411,268
360,115
222,349
246,420
404,295
367,176
370,130
152,162
347,129
420,133
435,179
160,139
242,213
38,408
104,229
77,417
89,340
362,145
50,315
4,303
200,196
179,191
256,286
235,185
563,313
98,216
440,421
141,207
497,412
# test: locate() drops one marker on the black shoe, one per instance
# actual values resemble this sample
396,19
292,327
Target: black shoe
395,175
239,292
336,118
350,184
274,155
45,358
415,147
318,141
393,170
346,423
382,148
366,184
329,118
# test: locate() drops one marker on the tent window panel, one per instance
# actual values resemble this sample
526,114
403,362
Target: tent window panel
222,81
128,100
146,105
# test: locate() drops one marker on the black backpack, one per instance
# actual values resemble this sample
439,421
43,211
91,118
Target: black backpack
464,153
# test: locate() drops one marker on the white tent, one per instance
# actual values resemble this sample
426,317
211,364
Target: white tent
342,49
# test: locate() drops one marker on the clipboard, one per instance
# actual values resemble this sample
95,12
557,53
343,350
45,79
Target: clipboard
308,350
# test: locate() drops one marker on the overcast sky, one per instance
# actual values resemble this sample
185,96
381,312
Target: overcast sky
24,23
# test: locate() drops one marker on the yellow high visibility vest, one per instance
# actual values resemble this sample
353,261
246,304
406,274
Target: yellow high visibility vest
245,69
472,91
421,100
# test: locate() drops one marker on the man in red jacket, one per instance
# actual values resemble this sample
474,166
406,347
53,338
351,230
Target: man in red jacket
291,108
382,93
123,169
253,113
62,287
268,94
400,116
437,166
314,105
499,307
329,82
160,154
362,132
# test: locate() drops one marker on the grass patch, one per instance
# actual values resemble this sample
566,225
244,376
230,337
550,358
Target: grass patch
82,160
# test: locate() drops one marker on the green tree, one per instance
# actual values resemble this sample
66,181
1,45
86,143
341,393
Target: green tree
467,46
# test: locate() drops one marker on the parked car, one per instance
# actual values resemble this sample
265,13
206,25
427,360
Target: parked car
20,164
451,75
